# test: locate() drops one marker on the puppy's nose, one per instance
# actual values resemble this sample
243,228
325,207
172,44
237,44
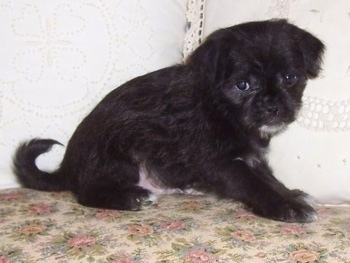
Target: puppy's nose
273,109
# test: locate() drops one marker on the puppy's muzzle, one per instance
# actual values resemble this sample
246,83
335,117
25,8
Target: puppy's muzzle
268,107
273,109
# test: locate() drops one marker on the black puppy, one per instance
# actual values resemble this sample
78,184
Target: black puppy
199,127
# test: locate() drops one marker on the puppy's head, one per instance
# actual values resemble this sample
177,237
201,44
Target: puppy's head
256,72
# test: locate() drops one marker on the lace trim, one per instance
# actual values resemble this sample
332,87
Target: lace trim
325,115
195,20
278,8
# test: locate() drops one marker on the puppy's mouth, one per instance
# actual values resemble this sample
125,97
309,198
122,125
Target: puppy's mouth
272,124
269,124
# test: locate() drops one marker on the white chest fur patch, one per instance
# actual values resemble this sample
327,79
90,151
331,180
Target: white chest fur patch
269,130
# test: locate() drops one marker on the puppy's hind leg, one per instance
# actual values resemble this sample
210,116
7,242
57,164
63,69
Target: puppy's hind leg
116,189
116,197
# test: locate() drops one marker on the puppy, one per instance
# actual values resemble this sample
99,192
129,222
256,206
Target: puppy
203,126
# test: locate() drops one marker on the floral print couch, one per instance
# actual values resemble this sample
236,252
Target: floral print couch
61,57
52,227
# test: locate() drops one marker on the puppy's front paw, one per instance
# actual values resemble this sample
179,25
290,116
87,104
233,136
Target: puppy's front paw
303,197
294,212
300,212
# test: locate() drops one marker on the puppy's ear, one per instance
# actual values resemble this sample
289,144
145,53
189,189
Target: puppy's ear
206,59
312,50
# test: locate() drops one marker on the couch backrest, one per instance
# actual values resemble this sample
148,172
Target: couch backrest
61,57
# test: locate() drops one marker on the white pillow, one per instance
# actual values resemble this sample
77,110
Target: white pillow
314,154
60,57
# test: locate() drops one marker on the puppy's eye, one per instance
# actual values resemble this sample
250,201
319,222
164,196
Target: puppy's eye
242,85
290,79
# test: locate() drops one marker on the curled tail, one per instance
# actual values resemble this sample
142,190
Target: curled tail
28,173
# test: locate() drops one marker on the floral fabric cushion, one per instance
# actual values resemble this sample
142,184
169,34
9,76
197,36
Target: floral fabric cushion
52,227
314,154
61,57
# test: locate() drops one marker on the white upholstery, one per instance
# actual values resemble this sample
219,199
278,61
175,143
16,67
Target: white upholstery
58,58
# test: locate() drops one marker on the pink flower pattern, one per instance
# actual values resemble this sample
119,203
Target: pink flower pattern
40,208
81,241
50,227
199,256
